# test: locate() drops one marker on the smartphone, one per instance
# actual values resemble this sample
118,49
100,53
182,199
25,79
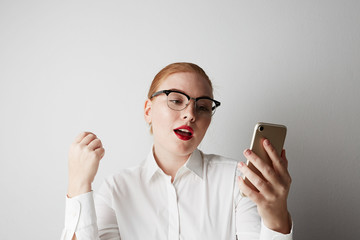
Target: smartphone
276,134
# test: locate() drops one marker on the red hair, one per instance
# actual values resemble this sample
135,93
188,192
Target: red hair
176,68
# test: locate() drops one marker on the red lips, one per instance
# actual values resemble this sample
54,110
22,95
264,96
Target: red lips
184,132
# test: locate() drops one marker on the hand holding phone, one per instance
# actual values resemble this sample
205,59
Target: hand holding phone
266,177
276,134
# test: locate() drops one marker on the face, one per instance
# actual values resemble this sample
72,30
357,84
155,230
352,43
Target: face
171,128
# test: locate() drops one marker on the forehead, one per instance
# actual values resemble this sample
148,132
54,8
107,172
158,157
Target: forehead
188,82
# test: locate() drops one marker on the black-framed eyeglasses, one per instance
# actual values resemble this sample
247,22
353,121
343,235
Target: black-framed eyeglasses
178,101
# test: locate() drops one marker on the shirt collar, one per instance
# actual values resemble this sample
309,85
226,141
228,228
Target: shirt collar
194,164
150,166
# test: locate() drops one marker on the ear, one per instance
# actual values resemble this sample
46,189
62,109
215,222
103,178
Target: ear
147,111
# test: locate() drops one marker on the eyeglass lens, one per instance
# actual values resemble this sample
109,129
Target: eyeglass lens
178,101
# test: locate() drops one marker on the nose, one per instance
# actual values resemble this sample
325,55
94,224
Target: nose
189,112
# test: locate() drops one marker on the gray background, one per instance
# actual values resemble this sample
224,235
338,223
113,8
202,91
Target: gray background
71,66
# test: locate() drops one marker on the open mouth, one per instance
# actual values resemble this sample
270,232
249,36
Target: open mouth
184,132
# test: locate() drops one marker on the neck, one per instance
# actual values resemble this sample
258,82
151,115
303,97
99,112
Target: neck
168,162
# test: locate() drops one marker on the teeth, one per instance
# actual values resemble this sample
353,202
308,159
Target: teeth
184,130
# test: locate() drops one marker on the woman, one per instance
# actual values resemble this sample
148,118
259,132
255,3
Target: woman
178,192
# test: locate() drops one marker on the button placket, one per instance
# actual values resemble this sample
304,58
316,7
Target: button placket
174,229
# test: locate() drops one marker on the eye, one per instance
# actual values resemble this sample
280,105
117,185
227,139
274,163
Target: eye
176,101
204,106
205,109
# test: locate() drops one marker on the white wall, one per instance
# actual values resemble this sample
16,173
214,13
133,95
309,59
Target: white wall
69,66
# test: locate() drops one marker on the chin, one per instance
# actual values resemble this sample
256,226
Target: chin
185,149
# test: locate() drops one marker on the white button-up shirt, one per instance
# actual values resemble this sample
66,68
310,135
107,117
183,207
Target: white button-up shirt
203,202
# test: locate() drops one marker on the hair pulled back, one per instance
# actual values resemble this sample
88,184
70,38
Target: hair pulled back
176,68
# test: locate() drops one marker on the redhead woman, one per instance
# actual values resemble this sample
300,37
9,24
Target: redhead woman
177,192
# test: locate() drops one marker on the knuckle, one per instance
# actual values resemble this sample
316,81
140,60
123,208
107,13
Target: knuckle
99,154
282,190
259,183
82,134
269,171
88,149
256,159
93,154
272,149
272,198
251,195
289,180
91,136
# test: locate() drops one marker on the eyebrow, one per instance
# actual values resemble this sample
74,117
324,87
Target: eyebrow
175,89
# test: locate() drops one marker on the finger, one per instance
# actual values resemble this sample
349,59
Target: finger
80,136
247,191
280,163
287,177
100,152
283,156
277,161
265,169
95,144
255,179
87,139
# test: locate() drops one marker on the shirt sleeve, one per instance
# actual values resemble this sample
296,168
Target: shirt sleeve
249,225
87,221
267,233
80,218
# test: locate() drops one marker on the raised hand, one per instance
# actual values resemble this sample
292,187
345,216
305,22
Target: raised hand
84,157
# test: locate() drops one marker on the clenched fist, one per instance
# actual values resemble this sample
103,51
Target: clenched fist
84,157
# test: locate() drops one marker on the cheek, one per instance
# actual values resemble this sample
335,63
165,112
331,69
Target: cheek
163,117
204,126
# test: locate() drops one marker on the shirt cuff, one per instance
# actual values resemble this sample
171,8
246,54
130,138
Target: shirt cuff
80,212
267,234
